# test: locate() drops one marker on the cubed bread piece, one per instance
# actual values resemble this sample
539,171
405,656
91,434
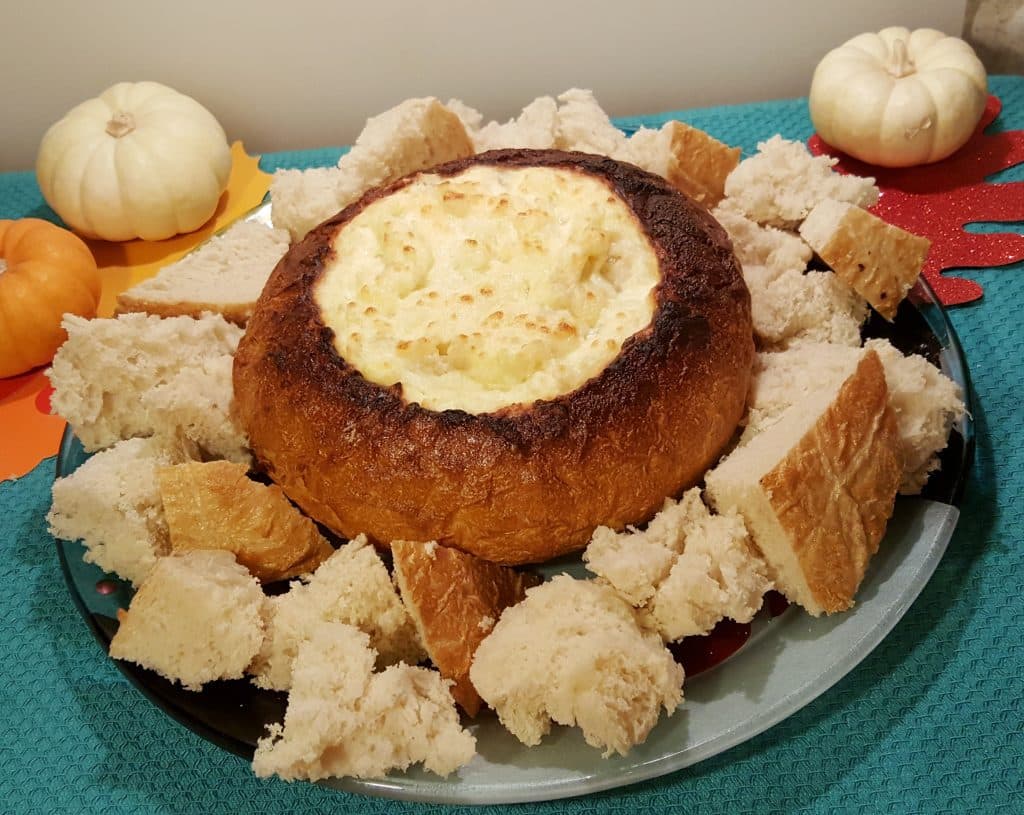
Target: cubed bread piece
143,375
574,652
225,276
783,182
927,403
414,135
352,586
758,245
536,127
879,261
454,599
817,488
583,125
689,159
215,505
112,504
195,618
344,720
791,307
689,568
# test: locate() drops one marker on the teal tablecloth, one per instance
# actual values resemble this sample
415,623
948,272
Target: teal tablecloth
932,721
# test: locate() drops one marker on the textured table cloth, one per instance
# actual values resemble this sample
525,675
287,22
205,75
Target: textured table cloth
932,721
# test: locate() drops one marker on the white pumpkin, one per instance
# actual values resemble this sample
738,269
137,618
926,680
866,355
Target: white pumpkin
139,161
899,98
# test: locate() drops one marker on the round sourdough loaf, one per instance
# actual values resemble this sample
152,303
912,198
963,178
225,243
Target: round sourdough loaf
513,451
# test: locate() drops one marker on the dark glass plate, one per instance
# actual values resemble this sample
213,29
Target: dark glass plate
786,663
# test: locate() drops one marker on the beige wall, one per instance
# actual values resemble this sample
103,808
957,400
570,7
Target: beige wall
306,73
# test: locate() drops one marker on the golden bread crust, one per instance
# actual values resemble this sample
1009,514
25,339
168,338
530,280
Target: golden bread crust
235,313
455,599
699,163
527,482
215,505
879,261
834,491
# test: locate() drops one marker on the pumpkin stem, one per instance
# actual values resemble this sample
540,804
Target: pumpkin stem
900,64
120,124
3,265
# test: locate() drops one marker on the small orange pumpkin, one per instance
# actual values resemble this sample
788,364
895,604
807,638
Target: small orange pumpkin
49,272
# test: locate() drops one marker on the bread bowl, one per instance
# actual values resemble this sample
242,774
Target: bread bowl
528,479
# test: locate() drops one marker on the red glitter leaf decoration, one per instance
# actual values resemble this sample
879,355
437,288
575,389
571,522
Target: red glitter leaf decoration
937,200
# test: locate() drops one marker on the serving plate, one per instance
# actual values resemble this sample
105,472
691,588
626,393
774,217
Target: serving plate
788,660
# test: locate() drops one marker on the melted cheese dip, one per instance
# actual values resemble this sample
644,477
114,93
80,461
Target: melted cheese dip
494,287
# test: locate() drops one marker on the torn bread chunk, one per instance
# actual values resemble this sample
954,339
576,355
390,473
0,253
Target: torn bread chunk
352,586
689,159
689,568
792,307
879,261
536,127
817,488
215,505
584,126
454,599
414,135
783,182
143,375
925,401
575,653
224,276
766,246
927,404
471,118
195,619
345,720
112,504
789,304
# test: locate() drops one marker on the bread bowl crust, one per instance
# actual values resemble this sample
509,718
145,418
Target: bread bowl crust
527,482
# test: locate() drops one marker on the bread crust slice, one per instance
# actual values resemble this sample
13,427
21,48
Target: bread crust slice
215,505
455,599
817,488
879,261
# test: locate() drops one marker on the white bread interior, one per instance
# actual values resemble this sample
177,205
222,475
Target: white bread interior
757,245
143,375
927,403
514,285
583,125
788,304
574,652
195,618
345,720
215,505
414,135
879,261
352,586
782,183
112,504
817,487
224,275
689,568
535,127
